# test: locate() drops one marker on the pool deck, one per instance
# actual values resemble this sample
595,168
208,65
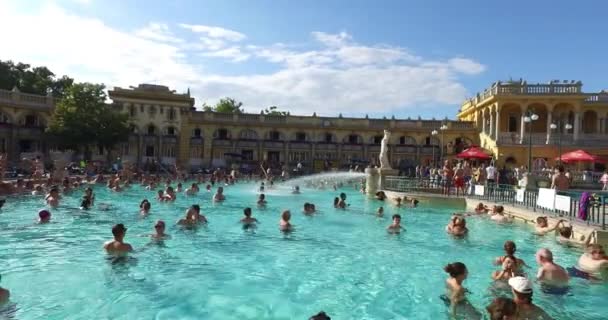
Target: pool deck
520,215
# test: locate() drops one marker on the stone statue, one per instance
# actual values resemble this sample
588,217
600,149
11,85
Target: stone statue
384,162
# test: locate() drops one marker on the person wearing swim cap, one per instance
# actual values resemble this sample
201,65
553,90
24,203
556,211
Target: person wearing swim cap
117,245
522,295
549,272
4,294
44,216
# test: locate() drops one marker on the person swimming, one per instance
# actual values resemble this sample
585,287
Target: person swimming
395,226
309,208
380,195
117,245
88,193
144,207
457,226
342,202
296,190
160,195
380,212
565,236
180,188
320,316
550,273
398,204
262,187
193,217
208,188
169,194
336,202
44,216
248,221
192,190
159,228
284,224
510,249
261,200
85,204
219,194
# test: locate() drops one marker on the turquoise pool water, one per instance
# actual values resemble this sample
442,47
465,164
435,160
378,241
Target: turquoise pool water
340,261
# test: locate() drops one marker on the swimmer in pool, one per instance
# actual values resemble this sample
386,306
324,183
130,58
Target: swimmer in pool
179,187
320,316
455,291
398,205
160,234
262,187
499,216
481,208
192,190
336,202
284,224
413,203
219,194
262,200
248,221
502,309
522,296
52,199
542,226
342,202
118,246
594,262
457,226
549,272
88,193
193,217
160,195
380,212
85,204
309,208
296,190
208,188
44,216
144,207
38,191
169,194
395,227
510,249
565,236
507,272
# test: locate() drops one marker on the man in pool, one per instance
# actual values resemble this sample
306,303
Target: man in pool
550,273
118,246
160,234
248,221
542,226
395,227
342,201
262,200
219,194
594,262
44,216
522,295
52,199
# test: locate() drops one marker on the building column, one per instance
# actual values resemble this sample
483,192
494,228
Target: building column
549,122
140,144
523,124
577,124
483,121
497,125
598,129
491,133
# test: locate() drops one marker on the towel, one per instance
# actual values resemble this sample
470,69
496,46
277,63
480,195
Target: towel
583,205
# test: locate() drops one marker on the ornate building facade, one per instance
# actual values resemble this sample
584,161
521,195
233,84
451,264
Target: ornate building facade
512,116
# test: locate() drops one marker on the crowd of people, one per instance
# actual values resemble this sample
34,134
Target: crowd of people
592,265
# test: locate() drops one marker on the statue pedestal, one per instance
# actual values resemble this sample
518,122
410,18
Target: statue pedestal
375,179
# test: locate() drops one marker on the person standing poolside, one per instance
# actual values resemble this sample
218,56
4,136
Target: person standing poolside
549,272
502,309
160,234
219,195
284,224
522,296
594,262
248,221
44,216
117,246
559,181
395,227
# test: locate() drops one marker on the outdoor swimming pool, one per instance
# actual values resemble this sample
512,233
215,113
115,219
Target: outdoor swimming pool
339,261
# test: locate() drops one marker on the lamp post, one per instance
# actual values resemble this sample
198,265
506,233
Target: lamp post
442,129
530,116
433,134
567,127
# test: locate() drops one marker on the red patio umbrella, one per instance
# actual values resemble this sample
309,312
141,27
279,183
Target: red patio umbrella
474,153
579,156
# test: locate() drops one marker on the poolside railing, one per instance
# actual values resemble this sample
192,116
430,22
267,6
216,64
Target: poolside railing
557,204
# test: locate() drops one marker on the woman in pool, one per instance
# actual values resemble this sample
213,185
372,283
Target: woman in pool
510,249
248,221
284,224
565,236
457,226
593,264
380,195
455,294
219,194
144,207
499,216
508,270
261,200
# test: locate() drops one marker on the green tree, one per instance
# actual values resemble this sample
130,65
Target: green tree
225,105
274,111
82,119
37,80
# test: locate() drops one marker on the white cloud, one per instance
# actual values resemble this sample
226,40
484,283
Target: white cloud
215,32
332,75
157,32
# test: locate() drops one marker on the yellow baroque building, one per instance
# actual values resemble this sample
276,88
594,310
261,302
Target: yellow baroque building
566,119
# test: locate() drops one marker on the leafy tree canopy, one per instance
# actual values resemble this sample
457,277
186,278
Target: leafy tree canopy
35,80
274,111
225,105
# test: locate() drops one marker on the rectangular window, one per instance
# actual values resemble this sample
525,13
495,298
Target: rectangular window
222,134
196,152
169,151
274,135
353,139
512,125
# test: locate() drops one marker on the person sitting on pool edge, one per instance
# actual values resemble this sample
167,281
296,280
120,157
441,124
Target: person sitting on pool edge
248,221
522,296
593,264
219,194
117,246
395,226
550,273
457,226
510,249
160,234
542,226
44,216
284,224
502,309
262,200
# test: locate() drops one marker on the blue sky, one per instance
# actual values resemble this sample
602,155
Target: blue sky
382,58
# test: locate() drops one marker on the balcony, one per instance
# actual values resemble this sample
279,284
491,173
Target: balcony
538,139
